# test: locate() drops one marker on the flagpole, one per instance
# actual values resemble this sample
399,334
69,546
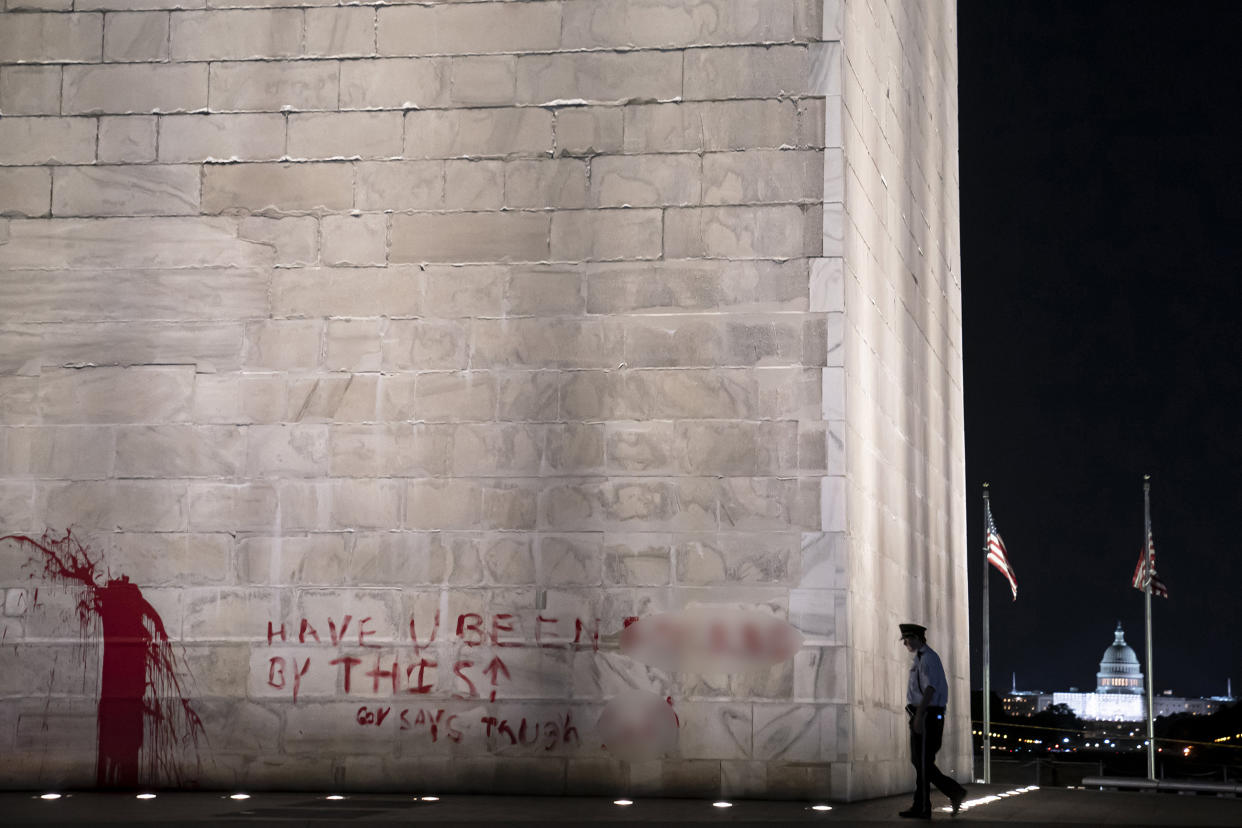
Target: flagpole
1151,729
987,654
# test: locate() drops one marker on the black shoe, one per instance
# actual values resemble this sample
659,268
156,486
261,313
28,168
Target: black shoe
956,801
915,813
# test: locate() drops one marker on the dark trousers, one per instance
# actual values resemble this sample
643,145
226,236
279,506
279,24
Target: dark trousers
923,747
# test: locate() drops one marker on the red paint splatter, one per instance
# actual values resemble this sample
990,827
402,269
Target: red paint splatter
144,718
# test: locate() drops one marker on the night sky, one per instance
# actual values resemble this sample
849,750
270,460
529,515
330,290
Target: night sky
1101,221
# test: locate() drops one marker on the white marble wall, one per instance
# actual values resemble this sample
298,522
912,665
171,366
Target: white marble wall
516,311
905,475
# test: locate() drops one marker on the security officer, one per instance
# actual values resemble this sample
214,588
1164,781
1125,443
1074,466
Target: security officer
927,692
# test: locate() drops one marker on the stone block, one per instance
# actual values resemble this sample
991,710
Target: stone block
172,560
544,291
605,235
542,343
207,346
457,133
353,345
128,190
286,451
278,188
455,291
763,177
283,344
312,560
454,29
340,31
694,393
731,448
400,185
717,560
134,88
222,137
588,130
546,184
394,291
135,36
771,232
425,344
610,24
390,450
47,140
482,81
474,185
688,285
127,506
470,237
528,396
345,135
641,559
233,507
272,86
149,394
601,395
629,505
127,139
574,449
121,243
229,613
787,732
25,191
598,77
709,126
455,397
570,560
236,35
406,558
77,452
30,90
51,38
179,451
646,180
19,398
749,72
294,240
641,448
17,501
394,83
496,450
355,241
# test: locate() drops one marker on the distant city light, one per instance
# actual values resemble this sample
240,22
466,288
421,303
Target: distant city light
145,796
334,797
623,802
722,804
821,807
49,796
239,796
430,798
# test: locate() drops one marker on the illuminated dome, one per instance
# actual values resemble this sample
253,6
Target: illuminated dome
1119,668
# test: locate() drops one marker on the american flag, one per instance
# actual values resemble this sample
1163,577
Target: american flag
1145,570
996,553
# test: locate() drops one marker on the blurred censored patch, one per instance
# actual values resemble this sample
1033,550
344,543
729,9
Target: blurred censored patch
710,640
638,725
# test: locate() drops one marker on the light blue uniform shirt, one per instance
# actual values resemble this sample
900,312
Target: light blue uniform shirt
927,671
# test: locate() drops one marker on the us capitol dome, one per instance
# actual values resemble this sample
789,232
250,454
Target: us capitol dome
1119,668
1120,694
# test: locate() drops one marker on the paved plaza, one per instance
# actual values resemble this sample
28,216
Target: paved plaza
988,805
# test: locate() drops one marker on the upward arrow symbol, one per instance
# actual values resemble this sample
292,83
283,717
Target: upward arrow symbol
495,667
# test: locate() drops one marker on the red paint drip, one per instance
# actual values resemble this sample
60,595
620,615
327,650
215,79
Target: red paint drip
143,712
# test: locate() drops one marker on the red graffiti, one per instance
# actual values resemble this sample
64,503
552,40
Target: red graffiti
494,668
143,717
